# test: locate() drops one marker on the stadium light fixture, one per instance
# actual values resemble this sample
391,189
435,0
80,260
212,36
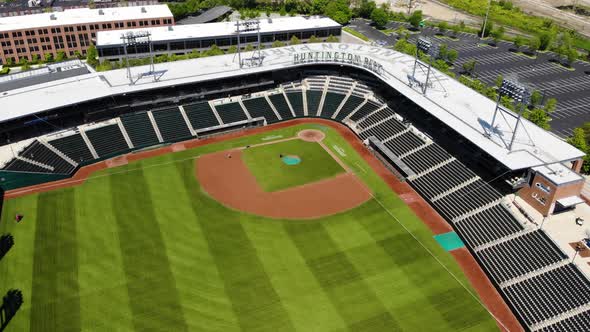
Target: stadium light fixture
426,46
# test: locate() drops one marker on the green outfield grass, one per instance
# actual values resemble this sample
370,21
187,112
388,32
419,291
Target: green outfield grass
273,174
143,248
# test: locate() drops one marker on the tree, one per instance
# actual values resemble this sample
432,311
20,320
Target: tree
534,45
518,42
283,11
332,39
194,54
571,55
268,12
366,8
294,41
550,105
249,48
452,56
215,50
578,139
91,56
24,64
455,29
489,26
499,80
78,55
538,117
442,27
498,34
48,57
277,43
415,18
313,39
536,98
36,59
61,56
545,40
339,11
469,67
379,18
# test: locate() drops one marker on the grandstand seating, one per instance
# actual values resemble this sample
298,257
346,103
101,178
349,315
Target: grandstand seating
313,101
280,104
404,143
139,129
74,147
171,124
439,181
40,153
296,100
579,322
549,294
107,140
331,103
426,158
376,118
385,130
231,112
365,110
18,165
259,107
488,225
201,115
351,104
467,199
523,254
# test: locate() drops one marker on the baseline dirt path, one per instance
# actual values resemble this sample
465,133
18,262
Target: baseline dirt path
229,181
480,282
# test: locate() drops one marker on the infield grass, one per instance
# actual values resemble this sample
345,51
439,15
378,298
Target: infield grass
141,247
272,174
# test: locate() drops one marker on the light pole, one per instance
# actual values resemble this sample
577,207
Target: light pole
485,21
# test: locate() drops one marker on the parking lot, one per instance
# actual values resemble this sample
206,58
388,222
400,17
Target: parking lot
570,87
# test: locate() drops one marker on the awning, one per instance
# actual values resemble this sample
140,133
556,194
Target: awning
570,201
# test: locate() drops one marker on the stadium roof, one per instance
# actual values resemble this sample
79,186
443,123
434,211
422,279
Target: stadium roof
208,16
218,29
83,16
460,108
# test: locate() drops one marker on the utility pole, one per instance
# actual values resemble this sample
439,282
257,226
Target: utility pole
485,21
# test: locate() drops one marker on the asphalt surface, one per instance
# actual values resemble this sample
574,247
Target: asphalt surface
570,87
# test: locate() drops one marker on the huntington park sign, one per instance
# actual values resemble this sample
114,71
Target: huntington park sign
338,57
363,56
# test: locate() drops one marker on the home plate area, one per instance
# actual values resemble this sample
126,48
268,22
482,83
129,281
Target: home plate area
294,178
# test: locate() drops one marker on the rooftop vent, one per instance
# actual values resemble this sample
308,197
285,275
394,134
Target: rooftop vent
143,10
52,17
100,12
269,20
170,28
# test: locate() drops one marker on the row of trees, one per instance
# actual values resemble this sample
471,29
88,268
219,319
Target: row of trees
212,51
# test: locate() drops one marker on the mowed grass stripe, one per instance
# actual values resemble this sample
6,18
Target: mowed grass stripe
151,288
450,306
55,302
254,300
200,287
356,303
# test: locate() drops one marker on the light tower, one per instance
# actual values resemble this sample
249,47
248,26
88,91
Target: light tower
521,94
426,46
138,39
249,26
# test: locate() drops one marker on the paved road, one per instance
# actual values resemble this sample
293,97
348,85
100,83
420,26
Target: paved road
570,87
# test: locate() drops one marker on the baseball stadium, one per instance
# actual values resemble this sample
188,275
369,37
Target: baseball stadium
315,187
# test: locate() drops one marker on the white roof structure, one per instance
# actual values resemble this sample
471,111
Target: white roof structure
83,16
460,108
219,29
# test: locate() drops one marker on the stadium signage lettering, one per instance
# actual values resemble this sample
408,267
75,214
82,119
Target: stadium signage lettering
338,57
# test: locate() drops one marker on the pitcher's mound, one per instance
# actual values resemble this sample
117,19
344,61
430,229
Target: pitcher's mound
230,182
311,135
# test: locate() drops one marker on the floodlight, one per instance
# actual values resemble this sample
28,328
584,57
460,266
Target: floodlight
515,90
424,44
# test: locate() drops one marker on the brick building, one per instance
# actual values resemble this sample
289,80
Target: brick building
71,30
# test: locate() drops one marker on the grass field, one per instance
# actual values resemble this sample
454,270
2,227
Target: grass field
142,248
273,174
